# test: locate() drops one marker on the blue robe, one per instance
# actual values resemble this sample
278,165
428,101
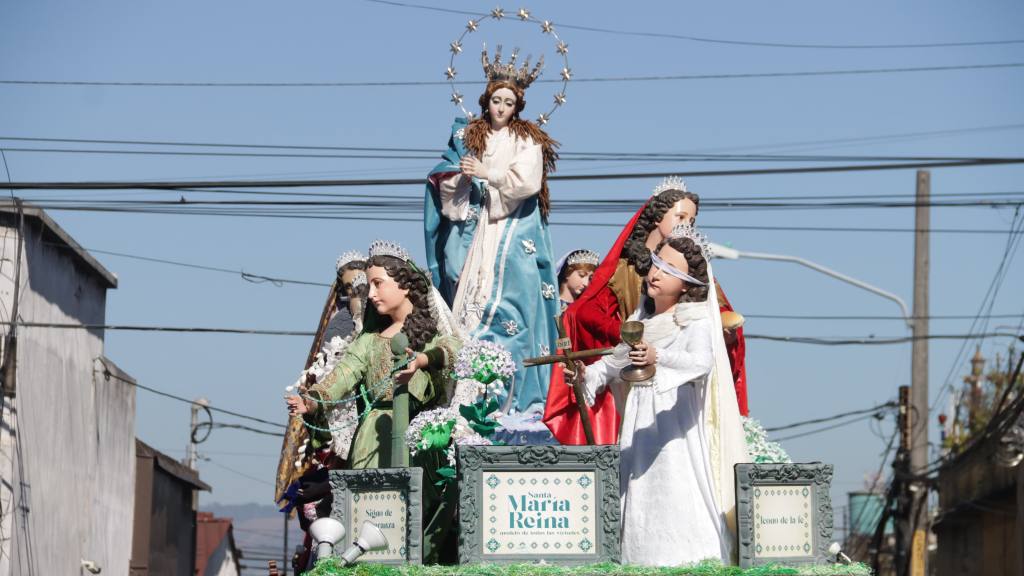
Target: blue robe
520,310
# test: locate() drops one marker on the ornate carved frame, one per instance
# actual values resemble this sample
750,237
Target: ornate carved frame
475,460
816,475
345,482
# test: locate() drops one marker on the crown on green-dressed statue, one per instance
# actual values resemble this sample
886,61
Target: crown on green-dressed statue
359,280
388,248
670,183
521,77
349,257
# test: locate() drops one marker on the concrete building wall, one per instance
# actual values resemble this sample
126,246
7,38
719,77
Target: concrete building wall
172,533
68,438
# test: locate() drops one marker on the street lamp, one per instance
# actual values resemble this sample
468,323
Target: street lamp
719,251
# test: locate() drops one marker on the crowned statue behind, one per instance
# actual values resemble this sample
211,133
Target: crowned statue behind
486,226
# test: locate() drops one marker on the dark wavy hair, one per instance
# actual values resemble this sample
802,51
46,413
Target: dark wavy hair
419,326
635,249
698,269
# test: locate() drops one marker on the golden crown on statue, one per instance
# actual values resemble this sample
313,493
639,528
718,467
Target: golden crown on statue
522,76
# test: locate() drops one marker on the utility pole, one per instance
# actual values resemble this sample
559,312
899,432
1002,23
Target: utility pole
191,454
915,535
899,492
287,559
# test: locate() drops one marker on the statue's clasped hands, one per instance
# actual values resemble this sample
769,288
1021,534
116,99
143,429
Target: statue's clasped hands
471,166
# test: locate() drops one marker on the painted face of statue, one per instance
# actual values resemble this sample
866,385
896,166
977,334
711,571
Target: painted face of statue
501,107
578,280
663,285
682,212
385,294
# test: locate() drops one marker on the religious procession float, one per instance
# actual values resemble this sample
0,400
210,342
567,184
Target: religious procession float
495,409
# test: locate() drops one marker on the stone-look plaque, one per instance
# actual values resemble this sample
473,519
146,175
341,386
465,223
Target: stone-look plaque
388,497
784,513
559,504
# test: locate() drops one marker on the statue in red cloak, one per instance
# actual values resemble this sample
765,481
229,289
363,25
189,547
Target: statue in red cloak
593,320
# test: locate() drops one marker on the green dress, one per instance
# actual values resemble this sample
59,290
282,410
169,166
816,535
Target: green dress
365,371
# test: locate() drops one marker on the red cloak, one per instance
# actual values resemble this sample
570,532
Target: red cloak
593,321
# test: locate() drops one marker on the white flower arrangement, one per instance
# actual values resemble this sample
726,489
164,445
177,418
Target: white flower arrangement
760,449
481,370
441,428
484,362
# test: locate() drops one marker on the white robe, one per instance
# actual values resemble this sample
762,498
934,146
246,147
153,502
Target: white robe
669,495
515,168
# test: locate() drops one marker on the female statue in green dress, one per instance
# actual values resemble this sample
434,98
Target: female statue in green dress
402,301
404,305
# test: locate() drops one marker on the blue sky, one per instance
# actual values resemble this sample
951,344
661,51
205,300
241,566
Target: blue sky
337,41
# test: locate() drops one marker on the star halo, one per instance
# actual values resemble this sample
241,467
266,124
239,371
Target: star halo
523,15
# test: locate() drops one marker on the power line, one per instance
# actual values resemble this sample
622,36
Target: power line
889,445
623,202
213,425
854,141
248,276
827,341
1012,242
851,140
429,154
384,211
873,341
595,79
671,36
137,328
226,453
157,185
108,374
236,472
900,318
825,428
872,410
412,203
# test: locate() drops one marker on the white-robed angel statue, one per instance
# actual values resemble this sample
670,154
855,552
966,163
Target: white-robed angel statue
681,430
486,225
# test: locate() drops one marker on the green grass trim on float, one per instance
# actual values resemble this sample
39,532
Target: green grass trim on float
333,567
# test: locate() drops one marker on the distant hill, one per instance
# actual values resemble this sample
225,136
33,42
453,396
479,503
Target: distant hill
259,533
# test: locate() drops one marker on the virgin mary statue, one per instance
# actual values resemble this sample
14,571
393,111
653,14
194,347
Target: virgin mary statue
486,225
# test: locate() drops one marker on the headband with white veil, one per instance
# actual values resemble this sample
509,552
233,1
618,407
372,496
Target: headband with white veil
442,314
726,442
